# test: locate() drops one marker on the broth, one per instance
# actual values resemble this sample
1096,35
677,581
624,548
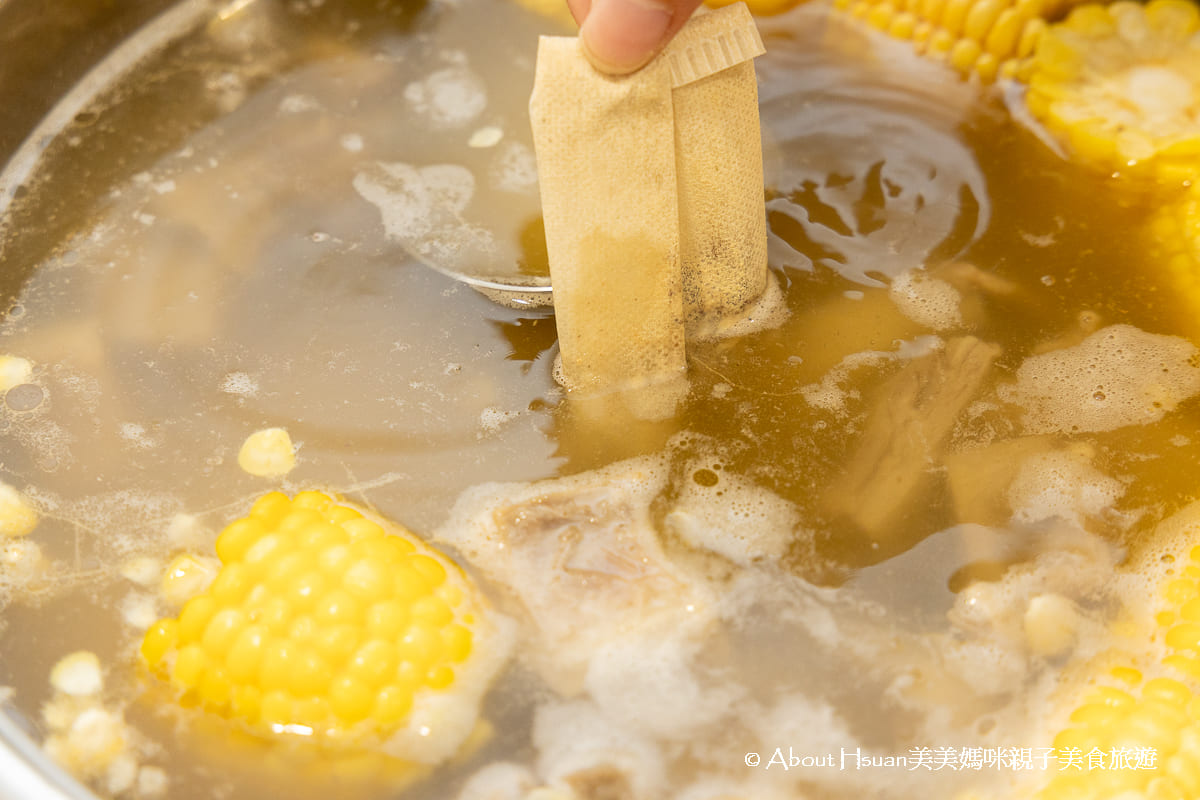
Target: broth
220,248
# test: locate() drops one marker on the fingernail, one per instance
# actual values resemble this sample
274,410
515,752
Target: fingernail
620,36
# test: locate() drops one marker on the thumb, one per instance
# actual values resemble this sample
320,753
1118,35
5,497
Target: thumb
621,36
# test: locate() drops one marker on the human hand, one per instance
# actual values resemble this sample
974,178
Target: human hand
621,36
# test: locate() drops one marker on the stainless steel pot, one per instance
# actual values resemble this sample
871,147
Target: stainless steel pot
46,48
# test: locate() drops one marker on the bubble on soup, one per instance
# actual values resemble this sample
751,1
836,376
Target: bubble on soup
449,98
1118,376
514,169
581,748
730,515
651,684
832,394
408,197
423,208
299,103
1062,484
500,780
926,300
21,564
239,383
136,434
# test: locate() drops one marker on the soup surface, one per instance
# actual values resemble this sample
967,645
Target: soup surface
900,524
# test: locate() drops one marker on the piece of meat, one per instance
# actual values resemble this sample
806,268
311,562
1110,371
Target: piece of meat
905,433
581,560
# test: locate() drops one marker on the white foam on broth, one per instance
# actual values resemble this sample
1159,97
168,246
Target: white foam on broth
271,285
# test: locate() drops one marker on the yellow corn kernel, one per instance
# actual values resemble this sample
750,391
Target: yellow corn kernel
14,371
1173,235
78,675
902,26
881,15
1173,18
1181,590
189,666
981,17
1187,665
17,516
267,453
1005,32
963,55
185,577
392,704
1094,715
987,67
439,677
759,8
457,642
194,617
954,15
1184,636
160,638
324,622
1127,675
1031,36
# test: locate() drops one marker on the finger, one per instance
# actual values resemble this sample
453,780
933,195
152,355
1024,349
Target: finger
621,36
579,9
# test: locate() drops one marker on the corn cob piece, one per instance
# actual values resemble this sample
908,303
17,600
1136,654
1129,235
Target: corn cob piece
986,38
1175,241
322,624
1137,736
1120,87
17,517
1140,740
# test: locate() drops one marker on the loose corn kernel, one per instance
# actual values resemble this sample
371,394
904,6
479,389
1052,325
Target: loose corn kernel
17,516
21,559
321,621
1119,91
267,453
14,371
1051,623
78,675
186,576
93,740
142,570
